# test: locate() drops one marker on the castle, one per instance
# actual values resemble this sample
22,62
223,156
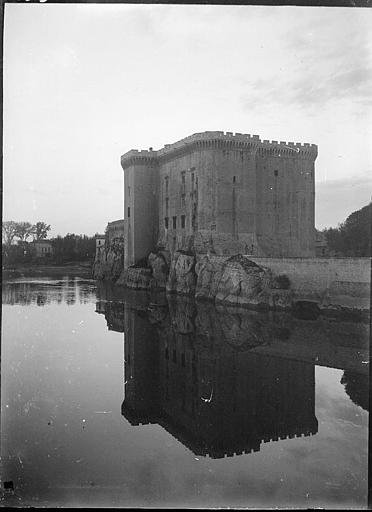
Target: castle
221,193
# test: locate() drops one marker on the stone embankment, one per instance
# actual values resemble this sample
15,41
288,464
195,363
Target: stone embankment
336,284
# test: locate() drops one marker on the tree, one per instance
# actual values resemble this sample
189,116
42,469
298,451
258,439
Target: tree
24,230
9,232
40,231
73,247
352,237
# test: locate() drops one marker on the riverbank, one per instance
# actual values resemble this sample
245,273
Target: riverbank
75,269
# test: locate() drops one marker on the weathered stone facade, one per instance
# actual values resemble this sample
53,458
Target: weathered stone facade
222,194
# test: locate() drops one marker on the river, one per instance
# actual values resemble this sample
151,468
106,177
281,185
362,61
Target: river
126,399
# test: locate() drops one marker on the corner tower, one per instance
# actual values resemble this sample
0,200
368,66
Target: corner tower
286,198
140,204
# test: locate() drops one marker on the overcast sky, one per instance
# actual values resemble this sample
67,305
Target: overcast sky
83,84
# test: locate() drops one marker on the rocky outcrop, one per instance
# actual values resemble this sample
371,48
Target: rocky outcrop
234,280
153,276
160,269
239,281
109,262
182,276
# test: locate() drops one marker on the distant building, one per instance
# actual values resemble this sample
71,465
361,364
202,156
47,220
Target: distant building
115,230
108,263
220,192
100,244
41,248
321,245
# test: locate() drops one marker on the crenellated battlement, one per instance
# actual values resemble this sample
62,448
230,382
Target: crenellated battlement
220,140
136,157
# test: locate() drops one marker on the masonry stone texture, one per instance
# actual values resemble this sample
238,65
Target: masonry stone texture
220,193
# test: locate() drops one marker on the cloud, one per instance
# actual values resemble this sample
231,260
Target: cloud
323,59
353,83
309,92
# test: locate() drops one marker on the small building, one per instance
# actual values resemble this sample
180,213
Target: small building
100,241
100,244
41,248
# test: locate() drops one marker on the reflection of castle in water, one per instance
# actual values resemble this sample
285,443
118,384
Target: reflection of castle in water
109,305
224,380
199,379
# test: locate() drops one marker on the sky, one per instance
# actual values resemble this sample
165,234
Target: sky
85,83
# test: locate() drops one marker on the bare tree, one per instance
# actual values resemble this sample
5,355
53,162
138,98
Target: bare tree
9,231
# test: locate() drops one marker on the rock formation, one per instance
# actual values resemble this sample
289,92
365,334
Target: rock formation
108,264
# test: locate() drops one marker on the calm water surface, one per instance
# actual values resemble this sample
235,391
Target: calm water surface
125,399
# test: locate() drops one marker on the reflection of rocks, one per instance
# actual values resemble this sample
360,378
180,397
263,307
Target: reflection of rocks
114,314
109,304
203,321
197,377
138,278
357,387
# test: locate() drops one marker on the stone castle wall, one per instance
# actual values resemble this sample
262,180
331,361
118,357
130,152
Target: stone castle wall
228,193
330,282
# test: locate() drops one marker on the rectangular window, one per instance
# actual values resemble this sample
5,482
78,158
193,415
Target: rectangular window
275,173
183,220
166,222
129,191
166,206
128,211
166,185
174,222
183,181
183,201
